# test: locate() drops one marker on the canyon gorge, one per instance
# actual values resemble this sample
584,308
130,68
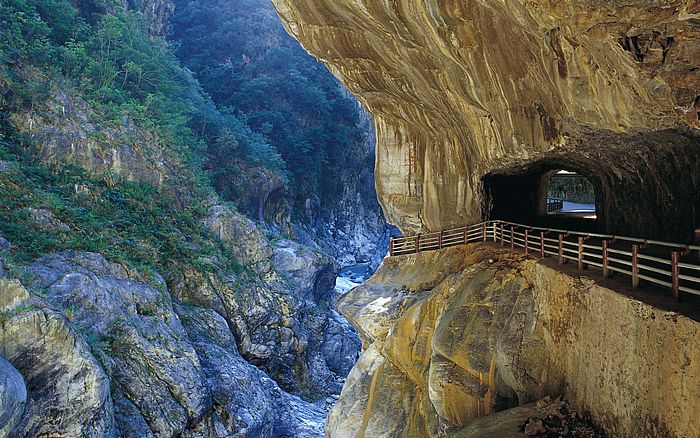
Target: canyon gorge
190,203
475,103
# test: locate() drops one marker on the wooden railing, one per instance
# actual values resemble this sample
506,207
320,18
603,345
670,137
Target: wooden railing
670,265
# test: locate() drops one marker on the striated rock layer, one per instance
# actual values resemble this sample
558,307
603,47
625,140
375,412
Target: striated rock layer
462,89
445,345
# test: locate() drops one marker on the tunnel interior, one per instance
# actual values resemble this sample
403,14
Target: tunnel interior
526,195
645,185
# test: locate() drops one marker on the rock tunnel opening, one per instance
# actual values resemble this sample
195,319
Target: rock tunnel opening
645,185
547,194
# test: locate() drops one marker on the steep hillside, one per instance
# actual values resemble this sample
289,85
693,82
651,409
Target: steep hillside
134,299
252,69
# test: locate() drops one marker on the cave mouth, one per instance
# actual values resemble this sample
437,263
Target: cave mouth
569,194
547,193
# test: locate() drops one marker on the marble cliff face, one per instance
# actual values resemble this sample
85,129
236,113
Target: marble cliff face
454,338
462,89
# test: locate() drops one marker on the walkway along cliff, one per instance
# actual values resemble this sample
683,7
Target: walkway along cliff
475,103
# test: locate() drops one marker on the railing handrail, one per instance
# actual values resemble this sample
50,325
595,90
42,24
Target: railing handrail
533,238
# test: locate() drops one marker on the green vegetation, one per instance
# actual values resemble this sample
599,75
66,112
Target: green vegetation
273,107
569,188
252,69
129,222
126,76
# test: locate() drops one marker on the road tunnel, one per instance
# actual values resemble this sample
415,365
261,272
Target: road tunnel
644,185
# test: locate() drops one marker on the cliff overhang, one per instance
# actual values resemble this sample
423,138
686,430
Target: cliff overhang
459,90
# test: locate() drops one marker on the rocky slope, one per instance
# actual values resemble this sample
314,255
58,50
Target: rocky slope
458,334
460,90
108,351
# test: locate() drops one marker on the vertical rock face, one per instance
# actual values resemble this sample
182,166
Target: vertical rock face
445,345
460,89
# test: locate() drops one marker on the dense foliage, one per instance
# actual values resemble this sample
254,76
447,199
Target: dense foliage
109,60
268,96
122,71
569,188
251,68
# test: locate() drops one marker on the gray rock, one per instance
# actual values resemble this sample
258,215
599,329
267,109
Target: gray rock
4,246
129,420
275,329
68,390
248,243
45,219
5,166
340,347
13,397
307,270
135,333
241,392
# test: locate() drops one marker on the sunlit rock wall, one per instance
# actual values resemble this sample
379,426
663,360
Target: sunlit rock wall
461,333
462,88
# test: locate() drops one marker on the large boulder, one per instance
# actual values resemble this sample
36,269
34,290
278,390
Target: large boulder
240,391
241,236
13,397
136,334
306,269
68,390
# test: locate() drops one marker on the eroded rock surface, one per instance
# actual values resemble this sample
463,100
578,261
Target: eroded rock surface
67,391
309,271
460,334
135,332
459,89
13,397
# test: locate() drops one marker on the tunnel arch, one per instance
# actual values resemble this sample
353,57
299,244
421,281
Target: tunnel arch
520,195
646,184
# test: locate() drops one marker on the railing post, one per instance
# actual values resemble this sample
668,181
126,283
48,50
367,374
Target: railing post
542,244
465,234
512,237
675,274
440,238
391,247
417,243
606,271
527,246
561,249
483,230
581,265
503,236
635,266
